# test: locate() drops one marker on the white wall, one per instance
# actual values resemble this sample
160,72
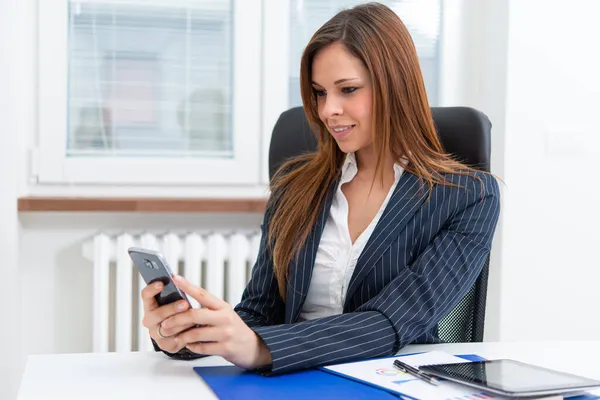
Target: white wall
481,71
11,362
551,265
532,67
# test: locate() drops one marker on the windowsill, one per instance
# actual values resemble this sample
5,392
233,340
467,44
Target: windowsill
140,204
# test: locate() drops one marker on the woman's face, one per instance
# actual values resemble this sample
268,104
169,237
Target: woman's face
344,96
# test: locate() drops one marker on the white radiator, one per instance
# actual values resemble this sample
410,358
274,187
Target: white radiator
221,263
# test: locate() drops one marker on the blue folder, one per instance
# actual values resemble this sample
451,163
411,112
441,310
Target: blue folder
230,382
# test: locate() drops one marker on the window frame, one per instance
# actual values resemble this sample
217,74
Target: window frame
276,62
56,167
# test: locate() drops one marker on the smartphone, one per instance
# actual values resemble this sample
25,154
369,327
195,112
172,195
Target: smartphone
154,268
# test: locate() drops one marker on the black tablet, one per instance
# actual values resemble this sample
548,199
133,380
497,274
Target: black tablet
511,378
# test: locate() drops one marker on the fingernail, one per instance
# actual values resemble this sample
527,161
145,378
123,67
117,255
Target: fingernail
164,324
158,285
181,306
177,277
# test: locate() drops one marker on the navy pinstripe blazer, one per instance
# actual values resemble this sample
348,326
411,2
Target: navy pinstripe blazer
425,253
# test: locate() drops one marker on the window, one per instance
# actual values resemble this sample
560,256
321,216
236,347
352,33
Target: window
150,91
146,82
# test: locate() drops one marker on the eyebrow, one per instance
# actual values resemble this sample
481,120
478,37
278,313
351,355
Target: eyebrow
339,81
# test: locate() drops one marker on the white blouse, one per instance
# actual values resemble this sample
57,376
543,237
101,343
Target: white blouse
336,256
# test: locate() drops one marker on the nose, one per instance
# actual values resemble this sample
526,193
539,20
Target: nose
332,107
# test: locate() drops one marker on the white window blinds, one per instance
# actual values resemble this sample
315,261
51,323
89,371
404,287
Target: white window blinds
421,17
150,78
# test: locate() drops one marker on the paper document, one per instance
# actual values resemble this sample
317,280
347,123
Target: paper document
381,372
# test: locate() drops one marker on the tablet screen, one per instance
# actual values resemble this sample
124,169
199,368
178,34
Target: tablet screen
511,376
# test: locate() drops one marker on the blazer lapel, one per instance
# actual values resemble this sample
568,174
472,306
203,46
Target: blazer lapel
301,270
405,201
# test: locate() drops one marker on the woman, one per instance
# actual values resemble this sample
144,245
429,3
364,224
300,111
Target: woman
368,243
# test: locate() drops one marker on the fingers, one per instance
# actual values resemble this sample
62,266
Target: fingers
202,334
196,316
174,330
169,344
148,294
210,349
154,315
177,322
202,296
158,315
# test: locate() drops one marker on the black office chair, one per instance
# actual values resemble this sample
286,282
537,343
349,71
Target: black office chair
465,133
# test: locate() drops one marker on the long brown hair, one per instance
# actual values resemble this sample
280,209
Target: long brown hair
402,126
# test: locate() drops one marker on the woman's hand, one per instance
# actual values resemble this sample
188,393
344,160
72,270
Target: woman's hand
222,332
154,315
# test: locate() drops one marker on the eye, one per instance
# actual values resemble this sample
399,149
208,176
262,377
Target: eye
319,93
349,89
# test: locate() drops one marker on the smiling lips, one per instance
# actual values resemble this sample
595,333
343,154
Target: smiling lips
340,131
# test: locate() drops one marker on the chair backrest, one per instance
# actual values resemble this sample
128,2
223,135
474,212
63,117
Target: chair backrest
465,133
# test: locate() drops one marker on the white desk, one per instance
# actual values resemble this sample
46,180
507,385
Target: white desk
154,376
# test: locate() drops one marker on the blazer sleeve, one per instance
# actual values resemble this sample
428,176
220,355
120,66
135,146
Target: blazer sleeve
408,307
261,303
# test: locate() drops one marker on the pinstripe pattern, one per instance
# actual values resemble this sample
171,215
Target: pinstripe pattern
420,261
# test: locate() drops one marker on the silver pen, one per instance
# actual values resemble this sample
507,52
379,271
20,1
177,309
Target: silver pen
409,369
